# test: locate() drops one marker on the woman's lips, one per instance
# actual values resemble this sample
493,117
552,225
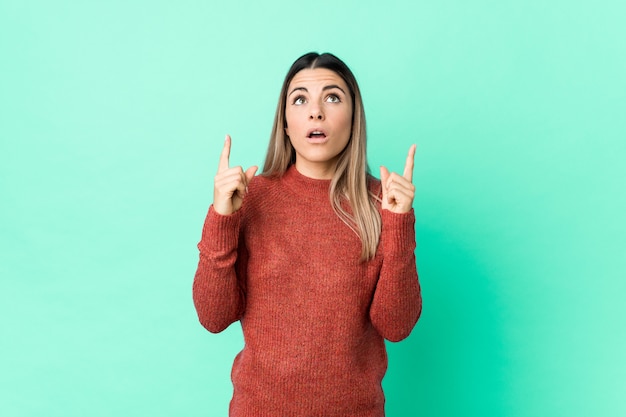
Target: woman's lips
316,136
320,139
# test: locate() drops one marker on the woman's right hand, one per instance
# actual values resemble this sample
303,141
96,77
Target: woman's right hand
230,184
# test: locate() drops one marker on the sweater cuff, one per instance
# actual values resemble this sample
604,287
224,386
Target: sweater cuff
398,232
220,232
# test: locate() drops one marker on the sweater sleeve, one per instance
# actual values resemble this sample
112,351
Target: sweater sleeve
397,302
218,286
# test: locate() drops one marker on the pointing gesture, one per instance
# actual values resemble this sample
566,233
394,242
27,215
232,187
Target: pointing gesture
230,184
398,190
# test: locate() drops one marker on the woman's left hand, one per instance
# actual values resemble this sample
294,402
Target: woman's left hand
398,190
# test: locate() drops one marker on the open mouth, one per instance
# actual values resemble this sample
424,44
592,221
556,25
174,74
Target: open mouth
316,134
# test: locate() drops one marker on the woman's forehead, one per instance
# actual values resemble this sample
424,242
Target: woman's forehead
316,77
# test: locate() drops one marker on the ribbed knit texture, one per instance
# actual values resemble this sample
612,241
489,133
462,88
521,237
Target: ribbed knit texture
314,317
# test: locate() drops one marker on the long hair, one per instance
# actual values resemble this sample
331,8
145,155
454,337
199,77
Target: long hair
349,183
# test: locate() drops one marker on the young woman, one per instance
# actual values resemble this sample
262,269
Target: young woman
314,257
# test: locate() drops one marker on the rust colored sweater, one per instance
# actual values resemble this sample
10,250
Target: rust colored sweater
314,318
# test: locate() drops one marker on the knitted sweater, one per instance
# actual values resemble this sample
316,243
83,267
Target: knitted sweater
314,317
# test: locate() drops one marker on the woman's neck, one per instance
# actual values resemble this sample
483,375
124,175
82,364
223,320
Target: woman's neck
318,171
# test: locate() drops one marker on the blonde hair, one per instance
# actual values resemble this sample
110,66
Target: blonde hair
350,181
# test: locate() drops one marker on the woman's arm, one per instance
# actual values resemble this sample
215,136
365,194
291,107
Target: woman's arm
397,302
219,284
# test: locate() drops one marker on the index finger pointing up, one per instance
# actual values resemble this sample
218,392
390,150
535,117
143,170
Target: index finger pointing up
223,164
408,166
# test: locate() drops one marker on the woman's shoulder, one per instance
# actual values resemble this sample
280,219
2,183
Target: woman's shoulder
261,186
263,182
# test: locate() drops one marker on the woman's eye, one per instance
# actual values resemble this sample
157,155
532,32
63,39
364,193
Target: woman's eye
333,99
299,100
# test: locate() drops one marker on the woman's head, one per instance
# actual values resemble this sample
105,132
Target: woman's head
318,115
281,152
347,157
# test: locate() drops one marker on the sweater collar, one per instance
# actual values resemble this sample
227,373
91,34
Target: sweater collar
306,186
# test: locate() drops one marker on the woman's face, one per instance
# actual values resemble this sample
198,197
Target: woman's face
319,120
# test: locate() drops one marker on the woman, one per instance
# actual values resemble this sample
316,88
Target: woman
314,256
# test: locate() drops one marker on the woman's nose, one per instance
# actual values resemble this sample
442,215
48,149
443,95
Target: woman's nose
316,113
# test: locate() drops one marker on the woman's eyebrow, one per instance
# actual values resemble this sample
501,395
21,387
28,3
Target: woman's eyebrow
330,87
298,88
327,87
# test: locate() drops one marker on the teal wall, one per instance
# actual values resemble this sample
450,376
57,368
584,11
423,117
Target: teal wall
112,116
